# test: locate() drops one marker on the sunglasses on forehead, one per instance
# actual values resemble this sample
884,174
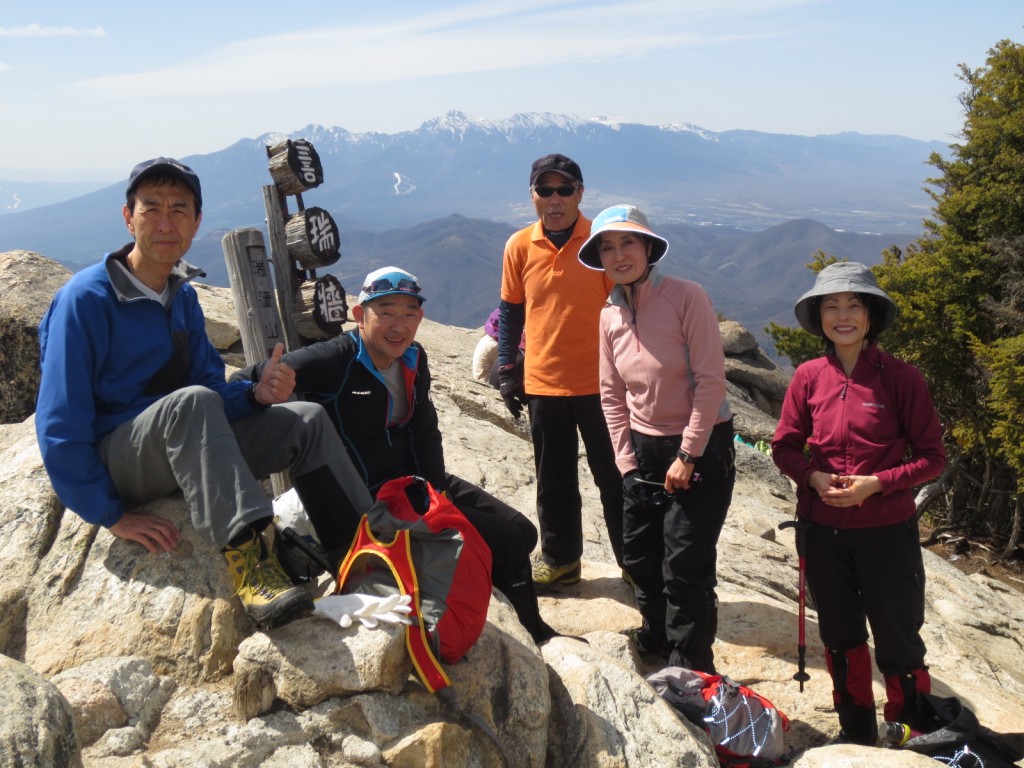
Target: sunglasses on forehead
382,284
566,190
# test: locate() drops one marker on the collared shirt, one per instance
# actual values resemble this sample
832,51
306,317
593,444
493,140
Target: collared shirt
563,300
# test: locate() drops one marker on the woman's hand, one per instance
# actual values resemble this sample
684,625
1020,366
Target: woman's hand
844,490
678,476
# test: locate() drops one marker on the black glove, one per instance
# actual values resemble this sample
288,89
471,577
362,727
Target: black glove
631,485
511,387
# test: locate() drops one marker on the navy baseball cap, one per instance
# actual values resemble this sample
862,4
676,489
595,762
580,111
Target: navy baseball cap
557,164
170,167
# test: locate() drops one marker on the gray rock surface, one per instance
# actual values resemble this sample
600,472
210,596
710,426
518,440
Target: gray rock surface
27,283
37,728
154,653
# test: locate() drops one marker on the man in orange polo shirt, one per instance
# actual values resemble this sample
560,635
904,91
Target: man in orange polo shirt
545,288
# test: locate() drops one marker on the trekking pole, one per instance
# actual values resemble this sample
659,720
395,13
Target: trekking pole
801,675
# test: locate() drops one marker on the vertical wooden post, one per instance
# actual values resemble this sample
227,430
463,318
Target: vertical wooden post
253,293
284,272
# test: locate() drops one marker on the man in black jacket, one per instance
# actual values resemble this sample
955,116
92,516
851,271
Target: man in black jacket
374,383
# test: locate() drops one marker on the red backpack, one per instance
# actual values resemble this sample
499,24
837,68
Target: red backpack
437,558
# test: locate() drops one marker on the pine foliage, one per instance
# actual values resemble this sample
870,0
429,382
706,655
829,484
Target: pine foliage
960,293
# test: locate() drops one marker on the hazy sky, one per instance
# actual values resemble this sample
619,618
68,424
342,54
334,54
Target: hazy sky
88,89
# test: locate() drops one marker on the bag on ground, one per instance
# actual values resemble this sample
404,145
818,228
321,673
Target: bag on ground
745,727
436,557
953,735
296,544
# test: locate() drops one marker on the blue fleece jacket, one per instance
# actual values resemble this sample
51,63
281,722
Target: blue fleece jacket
107,352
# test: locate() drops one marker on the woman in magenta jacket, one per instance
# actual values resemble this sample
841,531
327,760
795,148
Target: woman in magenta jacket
858,432
664,398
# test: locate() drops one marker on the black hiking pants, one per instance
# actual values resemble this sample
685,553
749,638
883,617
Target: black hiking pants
862,576
869,576
671,548
511,537
553,426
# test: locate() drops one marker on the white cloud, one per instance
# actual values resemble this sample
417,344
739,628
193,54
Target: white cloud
470,39
4,67
35,30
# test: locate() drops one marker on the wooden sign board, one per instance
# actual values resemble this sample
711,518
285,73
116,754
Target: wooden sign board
312,238
320,308
253,293
295,166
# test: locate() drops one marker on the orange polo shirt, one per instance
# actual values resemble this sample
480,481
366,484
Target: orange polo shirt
563,306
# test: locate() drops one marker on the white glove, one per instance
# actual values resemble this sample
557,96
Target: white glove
369,609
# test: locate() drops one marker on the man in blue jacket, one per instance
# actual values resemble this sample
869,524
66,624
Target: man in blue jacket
133,404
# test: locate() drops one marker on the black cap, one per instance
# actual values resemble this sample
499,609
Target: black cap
170,167
556,164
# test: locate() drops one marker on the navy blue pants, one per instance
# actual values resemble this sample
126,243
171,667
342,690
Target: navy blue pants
553,425
671,548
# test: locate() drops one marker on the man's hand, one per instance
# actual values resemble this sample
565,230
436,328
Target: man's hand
511,387
151,531
278,380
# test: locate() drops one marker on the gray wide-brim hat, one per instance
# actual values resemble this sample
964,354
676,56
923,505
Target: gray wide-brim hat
840,277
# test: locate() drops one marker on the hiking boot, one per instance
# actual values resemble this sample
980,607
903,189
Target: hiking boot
266,592
546,576
638,637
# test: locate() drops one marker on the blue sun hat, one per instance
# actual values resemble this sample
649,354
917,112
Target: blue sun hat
388,280
622,218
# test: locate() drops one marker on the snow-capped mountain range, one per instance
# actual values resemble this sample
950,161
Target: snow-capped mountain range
392,194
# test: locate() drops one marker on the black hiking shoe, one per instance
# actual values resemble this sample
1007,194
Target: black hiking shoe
638,637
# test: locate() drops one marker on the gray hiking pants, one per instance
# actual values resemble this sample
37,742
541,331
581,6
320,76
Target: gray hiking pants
185,441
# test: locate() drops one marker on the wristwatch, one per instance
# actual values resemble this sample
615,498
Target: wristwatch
687,458
250,395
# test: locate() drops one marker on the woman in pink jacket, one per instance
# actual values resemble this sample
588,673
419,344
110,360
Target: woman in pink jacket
858,431
663,395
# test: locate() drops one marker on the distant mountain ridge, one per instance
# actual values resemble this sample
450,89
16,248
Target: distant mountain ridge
446,195
16,196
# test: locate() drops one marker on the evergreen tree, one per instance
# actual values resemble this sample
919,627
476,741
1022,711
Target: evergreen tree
795,343
960,294
959,290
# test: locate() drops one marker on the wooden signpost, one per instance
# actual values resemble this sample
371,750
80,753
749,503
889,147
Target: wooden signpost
307,307
253,293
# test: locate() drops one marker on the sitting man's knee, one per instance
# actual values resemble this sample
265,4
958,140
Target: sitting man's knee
195,398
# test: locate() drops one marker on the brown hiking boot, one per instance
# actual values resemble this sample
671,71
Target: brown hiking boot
267,594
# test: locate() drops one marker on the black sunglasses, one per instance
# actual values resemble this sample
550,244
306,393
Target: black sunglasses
382,284
661,497
567,190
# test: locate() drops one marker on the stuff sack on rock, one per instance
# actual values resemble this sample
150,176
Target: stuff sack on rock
745,727
420,544
952,734
296,544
